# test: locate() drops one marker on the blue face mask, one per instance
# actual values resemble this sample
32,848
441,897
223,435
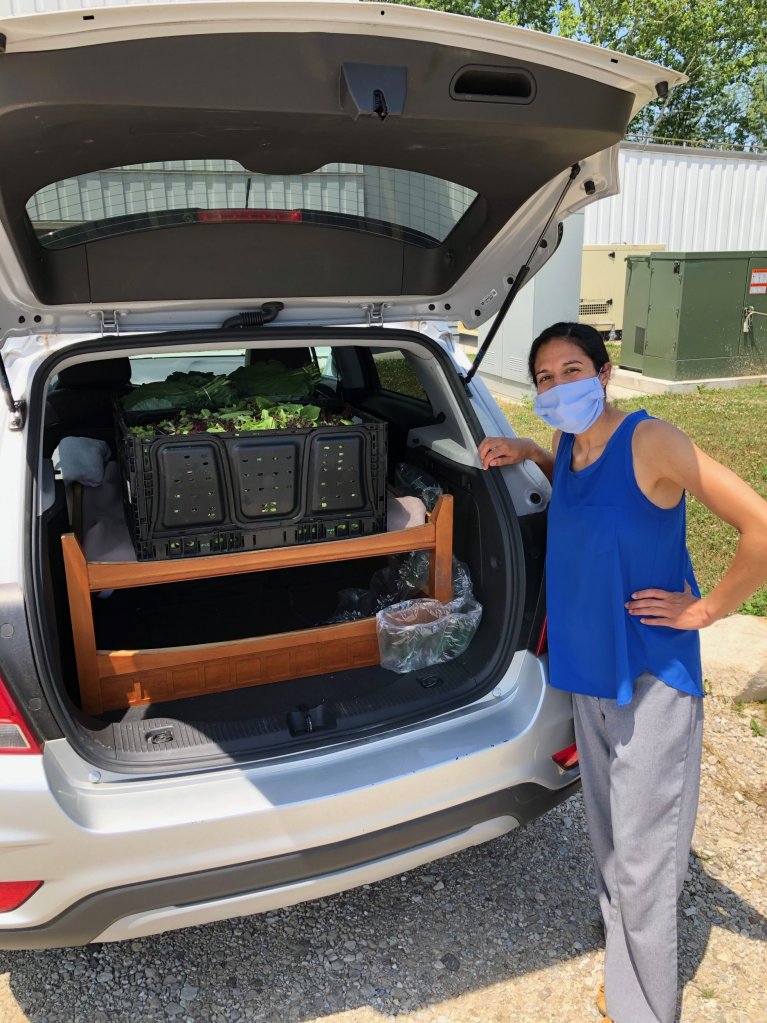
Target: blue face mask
571,407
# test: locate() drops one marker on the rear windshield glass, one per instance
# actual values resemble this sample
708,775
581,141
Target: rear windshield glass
415,207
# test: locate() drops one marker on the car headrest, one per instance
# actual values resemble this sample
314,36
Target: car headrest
292,358
106,374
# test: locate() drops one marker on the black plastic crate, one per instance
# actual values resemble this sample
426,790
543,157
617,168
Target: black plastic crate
214,493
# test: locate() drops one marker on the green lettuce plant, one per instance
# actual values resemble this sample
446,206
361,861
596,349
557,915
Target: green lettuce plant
245,418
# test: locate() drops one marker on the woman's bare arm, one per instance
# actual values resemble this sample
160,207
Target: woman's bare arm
670,455
499,451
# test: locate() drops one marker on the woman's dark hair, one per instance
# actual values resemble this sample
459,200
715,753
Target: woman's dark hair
589,341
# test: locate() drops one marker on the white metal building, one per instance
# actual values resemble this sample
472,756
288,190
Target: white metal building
686,198
549,297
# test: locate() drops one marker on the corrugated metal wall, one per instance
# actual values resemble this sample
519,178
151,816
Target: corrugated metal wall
694,200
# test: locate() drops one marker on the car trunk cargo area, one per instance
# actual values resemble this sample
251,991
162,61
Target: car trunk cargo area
291,602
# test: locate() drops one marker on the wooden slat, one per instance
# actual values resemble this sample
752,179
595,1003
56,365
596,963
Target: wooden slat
83,633
123,662
117,678
152,676
105,575
441,567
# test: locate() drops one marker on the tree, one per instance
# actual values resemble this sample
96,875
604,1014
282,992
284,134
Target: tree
716,44
537,14
756,107
720,46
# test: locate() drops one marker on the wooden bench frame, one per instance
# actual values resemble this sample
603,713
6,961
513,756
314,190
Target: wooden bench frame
114,679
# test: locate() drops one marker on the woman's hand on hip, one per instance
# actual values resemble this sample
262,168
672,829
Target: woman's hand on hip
669,608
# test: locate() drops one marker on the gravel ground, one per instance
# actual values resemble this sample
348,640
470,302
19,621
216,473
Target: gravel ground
506,932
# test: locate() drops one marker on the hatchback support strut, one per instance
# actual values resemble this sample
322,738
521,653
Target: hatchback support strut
15,408
520,279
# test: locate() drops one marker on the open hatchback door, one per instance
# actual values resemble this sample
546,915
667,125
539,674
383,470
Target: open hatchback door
335,157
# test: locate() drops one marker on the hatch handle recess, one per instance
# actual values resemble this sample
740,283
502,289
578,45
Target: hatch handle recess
519,280
373,90
16,409
306,720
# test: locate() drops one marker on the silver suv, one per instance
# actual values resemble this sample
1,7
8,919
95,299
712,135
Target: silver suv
197,728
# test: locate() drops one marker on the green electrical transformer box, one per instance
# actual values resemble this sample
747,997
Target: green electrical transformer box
696,315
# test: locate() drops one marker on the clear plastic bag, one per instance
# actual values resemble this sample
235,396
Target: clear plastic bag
415,634
409,479
404,577
414,572
388,585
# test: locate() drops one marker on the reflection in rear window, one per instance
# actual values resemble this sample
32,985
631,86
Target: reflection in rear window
417,207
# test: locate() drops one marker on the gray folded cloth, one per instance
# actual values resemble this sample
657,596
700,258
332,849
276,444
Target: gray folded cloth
105,532
81,460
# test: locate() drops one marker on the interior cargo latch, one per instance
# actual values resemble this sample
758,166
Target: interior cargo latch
311,719
373,90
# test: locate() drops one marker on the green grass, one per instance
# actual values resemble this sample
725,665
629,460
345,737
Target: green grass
614,351
730,425
395,374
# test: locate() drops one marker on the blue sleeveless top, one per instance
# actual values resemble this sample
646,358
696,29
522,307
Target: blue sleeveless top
606,540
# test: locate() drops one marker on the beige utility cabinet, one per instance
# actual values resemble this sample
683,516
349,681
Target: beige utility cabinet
603,284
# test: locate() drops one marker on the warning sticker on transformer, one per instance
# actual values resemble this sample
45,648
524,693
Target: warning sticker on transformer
758,285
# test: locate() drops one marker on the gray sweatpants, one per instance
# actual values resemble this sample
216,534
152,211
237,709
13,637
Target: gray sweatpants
640,768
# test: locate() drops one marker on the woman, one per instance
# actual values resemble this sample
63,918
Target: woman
624,612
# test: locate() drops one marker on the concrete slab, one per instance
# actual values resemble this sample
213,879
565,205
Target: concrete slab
628,383
734,653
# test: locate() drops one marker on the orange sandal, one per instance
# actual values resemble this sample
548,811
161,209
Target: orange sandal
601,1003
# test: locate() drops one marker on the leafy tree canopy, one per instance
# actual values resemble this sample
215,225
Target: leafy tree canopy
720,45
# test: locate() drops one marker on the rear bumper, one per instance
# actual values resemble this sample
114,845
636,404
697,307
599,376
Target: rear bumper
166,903
123,856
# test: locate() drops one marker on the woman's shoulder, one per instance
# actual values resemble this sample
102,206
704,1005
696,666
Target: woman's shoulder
656,437
653,429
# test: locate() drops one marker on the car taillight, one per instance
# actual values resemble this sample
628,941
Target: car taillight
543,639
249,216
567,758
15,736
14,893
